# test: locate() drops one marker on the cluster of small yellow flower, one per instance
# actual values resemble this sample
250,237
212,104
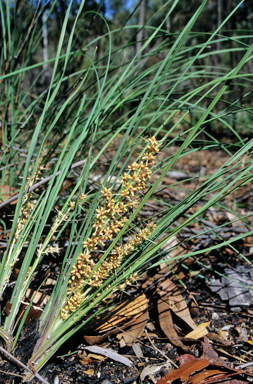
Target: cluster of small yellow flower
111,216
25,213
27,207
58,220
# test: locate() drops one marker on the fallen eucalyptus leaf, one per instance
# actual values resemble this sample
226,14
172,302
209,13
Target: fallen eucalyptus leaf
199,332
111,354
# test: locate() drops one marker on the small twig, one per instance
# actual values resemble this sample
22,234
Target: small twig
16,148
8,354
10,373
161,352
245,366
12,165
41,182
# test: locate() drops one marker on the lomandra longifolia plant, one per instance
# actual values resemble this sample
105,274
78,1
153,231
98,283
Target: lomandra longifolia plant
91,101
105,263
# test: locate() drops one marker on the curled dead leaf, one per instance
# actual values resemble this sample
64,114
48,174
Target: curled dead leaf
133,313
137,328
171,301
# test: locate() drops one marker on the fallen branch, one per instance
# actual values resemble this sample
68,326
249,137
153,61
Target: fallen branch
41,182
8,354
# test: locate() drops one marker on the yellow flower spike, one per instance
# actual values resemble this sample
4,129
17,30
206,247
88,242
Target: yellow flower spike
110,216
82,197
101,213
124,178
106,193
124,193
153,141
72,205
134,167
114,228
148,156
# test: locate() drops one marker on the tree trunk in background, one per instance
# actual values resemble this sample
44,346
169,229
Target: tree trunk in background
216,57
234,57
140,34
45,74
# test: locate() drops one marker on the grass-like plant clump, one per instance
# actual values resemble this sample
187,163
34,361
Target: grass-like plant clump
105,122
